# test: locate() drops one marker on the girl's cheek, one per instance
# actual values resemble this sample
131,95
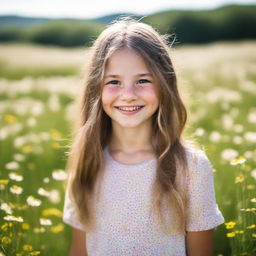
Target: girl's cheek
109,93
147,92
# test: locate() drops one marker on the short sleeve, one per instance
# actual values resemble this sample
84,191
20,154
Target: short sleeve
70,214
202,211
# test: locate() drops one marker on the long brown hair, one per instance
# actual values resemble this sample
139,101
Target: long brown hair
93,126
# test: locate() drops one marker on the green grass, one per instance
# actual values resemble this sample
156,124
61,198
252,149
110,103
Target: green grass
15,73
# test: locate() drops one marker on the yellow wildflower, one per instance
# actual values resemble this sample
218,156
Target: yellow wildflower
25,226
4,182
253,200
4,227
27,247
239,231
26,149
6,240
251,226
254,235
239,160
58,228
34,253
52,211
10,119
239,178
231,234
230,224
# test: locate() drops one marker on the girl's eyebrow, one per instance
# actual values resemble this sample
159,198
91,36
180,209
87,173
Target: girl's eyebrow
140,75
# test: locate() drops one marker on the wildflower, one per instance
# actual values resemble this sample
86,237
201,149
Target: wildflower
15,176
19,157
231,234
39,230
58,228
254,235
46,180
253,200
237,140
10,119
228,154
239,178
239,231
199,132
12,165
3,182
4,227
230,224
5,207
31,122
27,247
6,240
25,226
43,192
16,189
250,186
13,218
248,209
238,128
250,136
32,201
239,160
215,136
253,173
27,149
252,115
59,175
54,196
45,222
251,226
52,212
34,253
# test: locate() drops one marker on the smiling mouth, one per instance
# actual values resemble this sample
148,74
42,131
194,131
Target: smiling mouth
130,109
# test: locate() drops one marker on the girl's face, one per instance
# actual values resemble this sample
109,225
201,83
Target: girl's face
128,83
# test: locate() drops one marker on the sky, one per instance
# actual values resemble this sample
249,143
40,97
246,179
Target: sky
96,8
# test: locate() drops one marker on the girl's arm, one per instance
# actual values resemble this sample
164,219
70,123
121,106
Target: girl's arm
78,245
200,243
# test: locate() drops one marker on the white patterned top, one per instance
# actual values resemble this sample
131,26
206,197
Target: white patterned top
125,223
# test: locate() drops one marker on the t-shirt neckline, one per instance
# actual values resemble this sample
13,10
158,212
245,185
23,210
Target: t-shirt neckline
127,165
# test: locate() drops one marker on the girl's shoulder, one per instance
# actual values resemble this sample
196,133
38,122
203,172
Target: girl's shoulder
197,157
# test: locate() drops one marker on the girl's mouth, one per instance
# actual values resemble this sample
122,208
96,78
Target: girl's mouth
129,110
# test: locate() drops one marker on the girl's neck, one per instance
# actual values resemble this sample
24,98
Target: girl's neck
131,140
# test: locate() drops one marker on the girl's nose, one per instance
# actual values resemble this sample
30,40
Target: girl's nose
128,91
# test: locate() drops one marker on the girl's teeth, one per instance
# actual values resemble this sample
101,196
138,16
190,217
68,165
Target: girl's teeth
130,109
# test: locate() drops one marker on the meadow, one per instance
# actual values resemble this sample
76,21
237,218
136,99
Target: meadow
38,89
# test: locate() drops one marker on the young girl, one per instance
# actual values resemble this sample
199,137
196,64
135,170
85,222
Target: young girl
136,187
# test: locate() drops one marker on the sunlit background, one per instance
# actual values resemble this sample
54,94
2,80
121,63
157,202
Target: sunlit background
43,53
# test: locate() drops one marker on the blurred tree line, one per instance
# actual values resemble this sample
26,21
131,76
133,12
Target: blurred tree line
232,22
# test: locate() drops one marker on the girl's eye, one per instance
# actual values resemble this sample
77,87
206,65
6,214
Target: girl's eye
111,82
145,81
